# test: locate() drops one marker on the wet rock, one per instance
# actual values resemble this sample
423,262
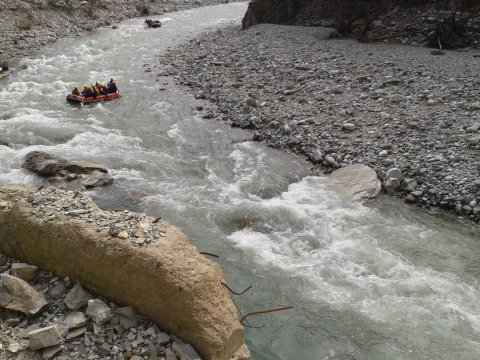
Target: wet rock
45,337
61,173
391,185
18,295
44,164
97,179
23,271
84,167
356,182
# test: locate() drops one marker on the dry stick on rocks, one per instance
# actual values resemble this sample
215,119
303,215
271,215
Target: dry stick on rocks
157,220
234,292
264,312
209,254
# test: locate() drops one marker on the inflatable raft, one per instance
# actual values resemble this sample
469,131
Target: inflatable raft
87,100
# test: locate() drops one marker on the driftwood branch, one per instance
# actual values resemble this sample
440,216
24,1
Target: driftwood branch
209,254
237,293
265,312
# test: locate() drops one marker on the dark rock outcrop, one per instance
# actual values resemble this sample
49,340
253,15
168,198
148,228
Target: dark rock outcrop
64,174
447,26
344,14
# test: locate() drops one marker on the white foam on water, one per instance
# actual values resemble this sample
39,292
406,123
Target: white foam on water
175,132
329,243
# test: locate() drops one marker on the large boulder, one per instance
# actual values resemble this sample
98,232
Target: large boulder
44,164
356,182
163,277
76,175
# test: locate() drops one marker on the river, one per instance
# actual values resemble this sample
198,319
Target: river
378,280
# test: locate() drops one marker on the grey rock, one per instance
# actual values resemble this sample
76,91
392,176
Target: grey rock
98,311
51,352
394,173
84,167
410,185
317,155
475,140
397,98
45,337
127,316
3,260
170,355
57,291
356,182
391,185
75,319
43,163
77,297
16,294
330,160
23,271
348,126
252,102
185,351
417,194
97,179
473,128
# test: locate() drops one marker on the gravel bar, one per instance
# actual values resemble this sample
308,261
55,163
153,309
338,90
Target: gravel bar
407,112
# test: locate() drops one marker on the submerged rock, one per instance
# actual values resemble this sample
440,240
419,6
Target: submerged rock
44,164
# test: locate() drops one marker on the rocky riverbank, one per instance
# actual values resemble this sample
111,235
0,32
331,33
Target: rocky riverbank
410,113
27,25
142,263
68,322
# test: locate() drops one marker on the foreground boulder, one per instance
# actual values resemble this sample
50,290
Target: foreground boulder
356,182
18,295
163,277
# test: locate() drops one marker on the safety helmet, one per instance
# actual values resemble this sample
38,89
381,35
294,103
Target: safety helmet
86,87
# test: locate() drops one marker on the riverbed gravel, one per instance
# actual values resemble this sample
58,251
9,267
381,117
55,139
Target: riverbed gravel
405,111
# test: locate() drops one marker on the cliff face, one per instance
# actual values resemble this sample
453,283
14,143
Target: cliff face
343,14
311,12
